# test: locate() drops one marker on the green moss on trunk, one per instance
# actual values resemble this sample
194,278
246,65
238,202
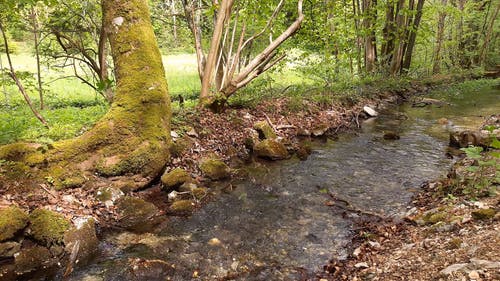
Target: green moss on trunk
134,136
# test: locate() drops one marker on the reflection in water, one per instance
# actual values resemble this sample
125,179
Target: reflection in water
277,226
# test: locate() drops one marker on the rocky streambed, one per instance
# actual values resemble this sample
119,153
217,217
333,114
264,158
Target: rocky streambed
283,221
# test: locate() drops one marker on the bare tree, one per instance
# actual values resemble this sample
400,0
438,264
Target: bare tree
225,70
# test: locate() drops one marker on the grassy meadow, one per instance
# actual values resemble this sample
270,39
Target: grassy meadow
71,107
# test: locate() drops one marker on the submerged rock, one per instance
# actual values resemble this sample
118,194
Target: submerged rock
135,213
271,149
140,269
48,227
390,135
265,130
12,221
175,178
215,169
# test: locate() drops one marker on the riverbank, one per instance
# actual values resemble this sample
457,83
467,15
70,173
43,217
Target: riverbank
451,233
231,138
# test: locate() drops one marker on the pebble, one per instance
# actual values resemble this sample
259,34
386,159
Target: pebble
214,242
361,265
473,275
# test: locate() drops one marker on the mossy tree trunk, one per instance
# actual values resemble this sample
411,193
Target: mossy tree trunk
134,136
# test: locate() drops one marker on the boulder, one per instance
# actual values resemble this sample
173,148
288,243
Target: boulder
215,169
33,258
183,206
265,130
135,213
109,195
271,149
12,221
175,178
467,138
303,151
48,227
81,240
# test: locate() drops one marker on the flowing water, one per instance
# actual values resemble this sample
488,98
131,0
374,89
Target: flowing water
276,225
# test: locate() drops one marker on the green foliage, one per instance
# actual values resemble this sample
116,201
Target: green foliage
483,175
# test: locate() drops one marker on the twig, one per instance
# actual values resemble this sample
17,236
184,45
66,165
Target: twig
48,191
270,123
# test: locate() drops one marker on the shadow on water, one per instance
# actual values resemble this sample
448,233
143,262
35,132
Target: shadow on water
276,225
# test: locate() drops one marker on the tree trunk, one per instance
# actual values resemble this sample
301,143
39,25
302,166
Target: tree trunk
487,36
389,32
222,17
369,19
134,136
436,68
412,37
400,31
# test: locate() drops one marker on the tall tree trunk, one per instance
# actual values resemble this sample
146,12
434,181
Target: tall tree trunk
389,33
356,12
133,138
487,36
369,19
397,55
14,77
436,68
412,36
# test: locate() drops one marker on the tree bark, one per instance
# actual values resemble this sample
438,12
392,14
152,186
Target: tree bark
487,36
412,36
222,17
436,68
369,19
133,138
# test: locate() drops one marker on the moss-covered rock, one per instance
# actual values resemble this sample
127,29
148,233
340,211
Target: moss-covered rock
82,238
484,214
215,169
265,130
135,213
271,149
48,227
183,206
174,178
199,192
303,151
12,220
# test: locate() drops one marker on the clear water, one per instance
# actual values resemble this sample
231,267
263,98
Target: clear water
276,225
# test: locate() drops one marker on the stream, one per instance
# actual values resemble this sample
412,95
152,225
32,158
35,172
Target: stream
276,226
